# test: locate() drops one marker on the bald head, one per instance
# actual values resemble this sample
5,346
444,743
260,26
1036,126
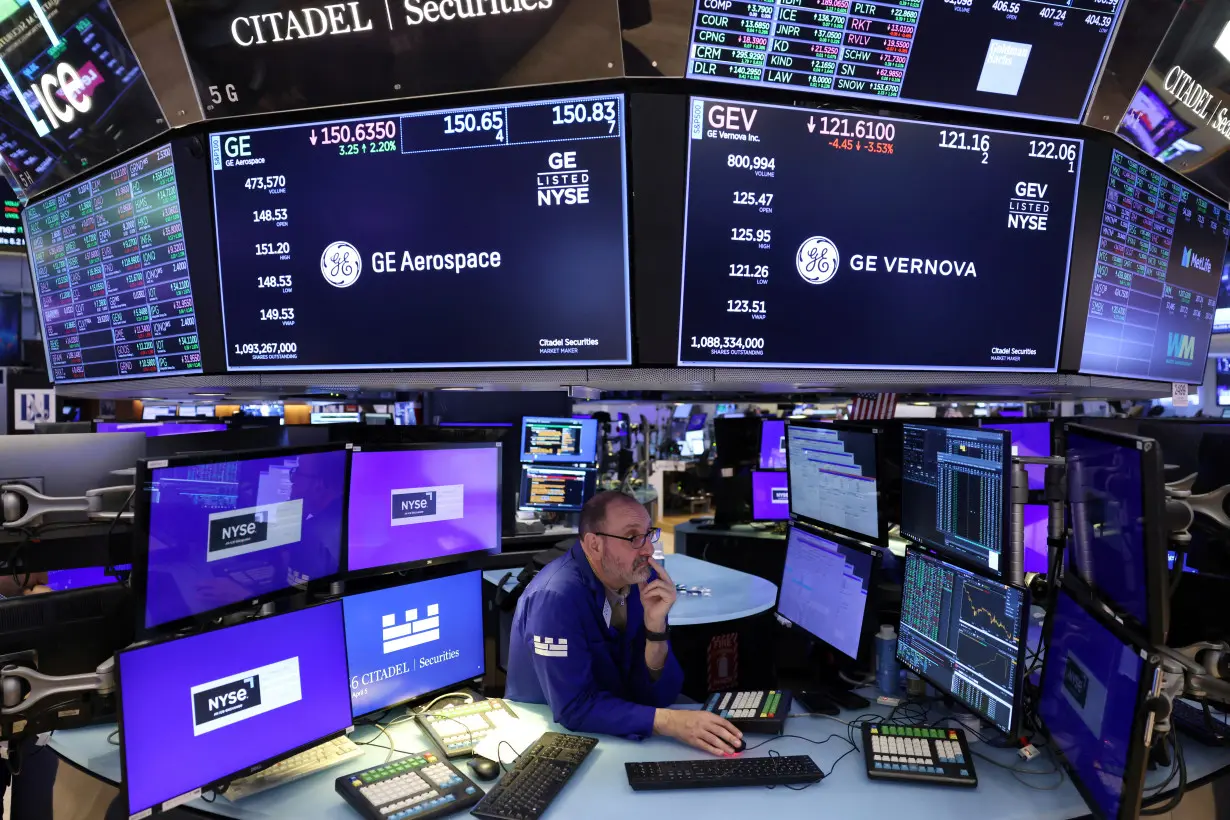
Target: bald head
595,512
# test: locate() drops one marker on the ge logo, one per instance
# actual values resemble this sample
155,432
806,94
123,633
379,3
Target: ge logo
341,264
817,260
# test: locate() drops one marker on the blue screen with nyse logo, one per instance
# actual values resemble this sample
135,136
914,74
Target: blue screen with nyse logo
805,229
432,239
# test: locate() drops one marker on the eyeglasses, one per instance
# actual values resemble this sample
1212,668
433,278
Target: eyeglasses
637,541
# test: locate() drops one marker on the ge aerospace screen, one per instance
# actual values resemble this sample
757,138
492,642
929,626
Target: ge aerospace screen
469,237
807,230
1030,57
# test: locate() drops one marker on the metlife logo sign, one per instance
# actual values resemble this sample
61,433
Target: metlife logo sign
422,505
227,701
251,529
255,56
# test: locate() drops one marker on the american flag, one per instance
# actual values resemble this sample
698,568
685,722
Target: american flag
874,406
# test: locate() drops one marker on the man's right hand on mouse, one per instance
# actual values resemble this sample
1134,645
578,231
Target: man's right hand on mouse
703,730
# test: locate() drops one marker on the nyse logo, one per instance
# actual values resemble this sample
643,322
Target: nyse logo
250,529
1075,681
1191,259
781,495
1181,346
414,632
244,695
238,531
423,505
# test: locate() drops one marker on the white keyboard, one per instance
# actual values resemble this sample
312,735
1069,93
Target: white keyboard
317,759
457,730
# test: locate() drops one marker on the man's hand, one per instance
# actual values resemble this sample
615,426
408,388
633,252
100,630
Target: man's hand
657,598
696,727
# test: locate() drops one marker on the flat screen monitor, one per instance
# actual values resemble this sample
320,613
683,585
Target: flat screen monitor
1149,311
833,471
559,440
955,490
1223,381
762,270
739,443
155,428
407,641
1093,707
1031,438
770,495
506,254
420,503
64,579
12,232
110,261
336,418
196,712
556,489
697,421
773,444
219,531
10,329
1221,317
1117,546
694,443
825,588
965,635
1001,60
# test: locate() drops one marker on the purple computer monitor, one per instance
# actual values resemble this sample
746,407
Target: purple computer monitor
196,711
1029,438
773,444
422,502
770,495
222,530
156,428
61,579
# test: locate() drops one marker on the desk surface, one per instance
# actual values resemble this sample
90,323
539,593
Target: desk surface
733,594
600,790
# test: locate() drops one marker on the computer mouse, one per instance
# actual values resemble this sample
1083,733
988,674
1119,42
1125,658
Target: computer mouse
740,746
484,769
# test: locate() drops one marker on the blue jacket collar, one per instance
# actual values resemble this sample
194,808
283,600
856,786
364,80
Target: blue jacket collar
591,580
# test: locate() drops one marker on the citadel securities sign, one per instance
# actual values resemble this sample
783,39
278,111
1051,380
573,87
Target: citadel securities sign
283,55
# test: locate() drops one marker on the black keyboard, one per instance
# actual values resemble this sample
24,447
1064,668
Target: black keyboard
784,770
925,755
1191,720
537,776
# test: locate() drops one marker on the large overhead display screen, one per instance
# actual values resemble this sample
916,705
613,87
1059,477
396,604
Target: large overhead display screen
1159,263
806,231
110,267
71,94
488,237
1029,57
250,56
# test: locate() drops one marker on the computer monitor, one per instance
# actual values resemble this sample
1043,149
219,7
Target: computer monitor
1093,707
1117,548
773,444
407,641
965,635
60,580
770,495
220,530
694,443
825,588
955,492
739,442
556,489
697,421
200,711
1031,438
336,418
559,440
157,428
833,471
416,504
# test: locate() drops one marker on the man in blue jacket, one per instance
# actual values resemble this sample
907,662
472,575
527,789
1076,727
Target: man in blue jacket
590,636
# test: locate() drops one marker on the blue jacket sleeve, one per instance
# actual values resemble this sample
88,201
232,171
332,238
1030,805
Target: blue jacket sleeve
661,692
563,668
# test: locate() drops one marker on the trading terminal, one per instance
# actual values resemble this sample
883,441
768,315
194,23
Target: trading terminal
901,336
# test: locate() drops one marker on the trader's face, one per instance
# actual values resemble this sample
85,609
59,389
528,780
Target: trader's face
629,563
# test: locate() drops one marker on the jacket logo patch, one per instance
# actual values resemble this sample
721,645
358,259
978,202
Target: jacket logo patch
551,647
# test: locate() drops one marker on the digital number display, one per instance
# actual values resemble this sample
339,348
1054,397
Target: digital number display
110,267
1030,57
834,240
484,236
1155,282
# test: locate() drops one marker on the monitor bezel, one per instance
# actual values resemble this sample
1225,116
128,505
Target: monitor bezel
868,627
590,472
215,785
431,692
141,533
1018,695
1153,530
1134,776
528,458
421,563
880,539
1007,560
